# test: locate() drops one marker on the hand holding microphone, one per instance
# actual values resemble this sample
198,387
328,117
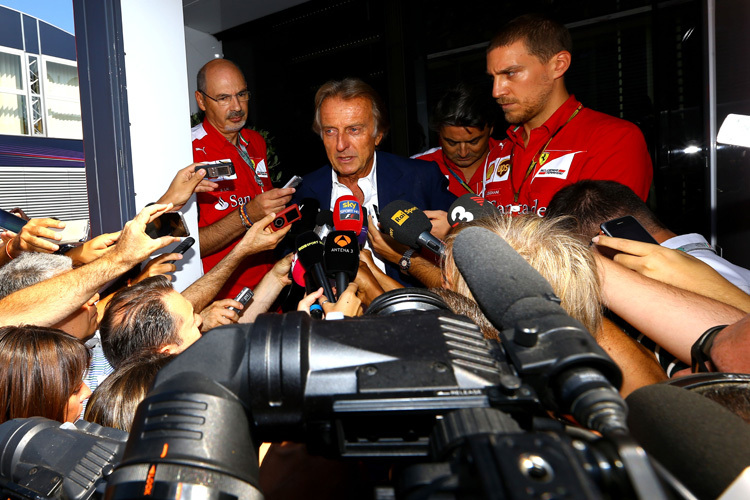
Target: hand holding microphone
407,224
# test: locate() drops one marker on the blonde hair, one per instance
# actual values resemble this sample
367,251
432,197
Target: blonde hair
563,260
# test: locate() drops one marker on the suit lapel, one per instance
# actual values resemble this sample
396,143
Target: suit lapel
390,185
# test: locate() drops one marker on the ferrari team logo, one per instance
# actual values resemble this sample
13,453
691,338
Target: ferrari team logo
543,157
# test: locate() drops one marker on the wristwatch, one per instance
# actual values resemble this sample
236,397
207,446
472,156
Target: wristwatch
405,261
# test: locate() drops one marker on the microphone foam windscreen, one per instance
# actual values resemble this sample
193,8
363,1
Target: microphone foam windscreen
298,272
308,208
309,249
342,253
324,218
497,275
347,214
469,207
699,441
404,222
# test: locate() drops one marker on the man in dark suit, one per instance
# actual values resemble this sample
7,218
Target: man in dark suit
350,118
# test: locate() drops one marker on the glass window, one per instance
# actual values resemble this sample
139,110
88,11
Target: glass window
13,117
11,76
12,114
62,101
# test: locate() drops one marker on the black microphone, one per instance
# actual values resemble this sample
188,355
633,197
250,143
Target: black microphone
342,258
362,236
310,252
323,224
308,208
699,441
550,350
469,207
408,225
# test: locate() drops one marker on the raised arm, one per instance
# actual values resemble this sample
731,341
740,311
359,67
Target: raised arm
52,300
672,317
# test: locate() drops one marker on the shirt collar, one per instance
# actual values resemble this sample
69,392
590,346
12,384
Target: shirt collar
558,118
368,184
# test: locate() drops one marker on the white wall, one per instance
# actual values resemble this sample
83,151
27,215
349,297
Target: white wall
155,66
200,48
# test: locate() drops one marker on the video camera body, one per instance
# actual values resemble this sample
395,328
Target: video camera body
411,384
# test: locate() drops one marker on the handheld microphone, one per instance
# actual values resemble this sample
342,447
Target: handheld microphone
298,271
469,207
323,224
347,214
342,258
308,208
408,225
362,237
551,350
310,253
699,441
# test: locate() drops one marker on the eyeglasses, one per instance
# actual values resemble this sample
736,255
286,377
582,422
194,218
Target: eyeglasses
225,100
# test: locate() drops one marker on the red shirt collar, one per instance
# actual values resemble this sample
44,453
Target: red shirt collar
558,118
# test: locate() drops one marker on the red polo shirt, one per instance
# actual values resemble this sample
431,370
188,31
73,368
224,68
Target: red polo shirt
591,145
210,145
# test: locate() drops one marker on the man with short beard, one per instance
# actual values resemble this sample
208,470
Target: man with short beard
228,211
553,140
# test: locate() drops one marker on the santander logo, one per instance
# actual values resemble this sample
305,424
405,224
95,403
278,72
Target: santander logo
221,204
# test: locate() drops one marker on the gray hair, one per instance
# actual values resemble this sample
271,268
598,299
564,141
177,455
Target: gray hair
347,89
30,268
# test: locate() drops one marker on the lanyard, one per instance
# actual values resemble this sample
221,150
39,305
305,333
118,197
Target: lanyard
459,179
535,158
242,150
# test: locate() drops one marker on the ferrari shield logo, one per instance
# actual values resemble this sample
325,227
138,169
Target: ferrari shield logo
543,157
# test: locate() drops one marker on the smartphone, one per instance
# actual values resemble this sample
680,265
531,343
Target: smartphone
168,224
11,222
75,231
628,228
243,298
182,247
285,217
293,182
220,169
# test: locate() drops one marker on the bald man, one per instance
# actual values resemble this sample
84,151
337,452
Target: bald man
227,212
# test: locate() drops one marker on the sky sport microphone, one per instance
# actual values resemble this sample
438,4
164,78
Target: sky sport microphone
469,207
323,224
342,258
408,225
700,442
347,214
553,352
310,253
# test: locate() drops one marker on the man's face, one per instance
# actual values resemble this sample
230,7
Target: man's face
522,84
188,322
348,132
223,79
465,146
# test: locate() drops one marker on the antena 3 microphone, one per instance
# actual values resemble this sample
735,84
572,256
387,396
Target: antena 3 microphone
469,207
347,214
342,258
408,225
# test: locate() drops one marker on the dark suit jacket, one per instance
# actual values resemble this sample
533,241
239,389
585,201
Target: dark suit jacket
417,181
